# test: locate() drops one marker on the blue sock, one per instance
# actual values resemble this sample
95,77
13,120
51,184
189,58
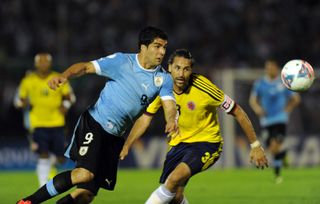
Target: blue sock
59,184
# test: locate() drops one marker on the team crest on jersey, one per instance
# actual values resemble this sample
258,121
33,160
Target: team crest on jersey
109,125
83,150
158,80
191,105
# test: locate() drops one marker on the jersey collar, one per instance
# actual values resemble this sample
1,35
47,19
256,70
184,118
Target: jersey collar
144,69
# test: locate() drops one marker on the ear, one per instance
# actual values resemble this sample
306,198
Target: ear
170,68
143,48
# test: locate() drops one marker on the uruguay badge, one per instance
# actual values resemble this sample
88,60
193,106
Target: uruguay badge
158,80
83,150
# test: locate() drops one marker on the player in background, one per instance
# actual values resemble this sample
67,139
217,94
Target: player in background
199,142
134,80
44,114
273,102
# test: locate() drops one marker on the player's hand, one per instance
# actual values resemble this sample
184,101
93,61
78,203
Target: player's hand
124,152
56,82
33,146
258,157
172,129
63,110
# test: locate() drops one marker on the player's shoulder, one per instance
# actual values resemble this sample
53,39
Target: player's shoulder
54,73
205,85
263,79
30,75
116,56
198,79
162,70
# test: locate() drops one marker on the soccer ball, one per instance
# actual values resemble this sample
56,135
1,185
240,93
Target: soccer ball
297,75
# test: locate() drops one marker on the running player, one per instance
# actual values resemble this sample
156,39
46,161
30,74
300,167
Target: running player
273,102
134,80
44,114
199,143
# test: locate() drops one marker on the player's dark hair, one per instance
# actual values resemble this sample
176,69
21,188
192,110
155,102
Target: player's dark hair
149,33
181,53
273,61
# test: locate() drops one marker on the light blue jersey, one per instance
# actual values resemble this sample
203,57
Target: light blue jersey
128,91
273,97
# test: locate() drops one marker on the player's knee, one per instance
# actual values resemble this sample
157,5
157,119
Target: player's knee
177,199
81,175
84,198
175,180
178,177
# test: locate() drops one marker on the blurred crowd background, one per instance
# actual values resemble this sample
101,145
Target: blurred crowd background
221,34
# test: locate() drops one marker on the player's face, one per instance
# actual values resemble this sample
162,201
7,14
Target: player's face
155,51
272,69
43,62
181,71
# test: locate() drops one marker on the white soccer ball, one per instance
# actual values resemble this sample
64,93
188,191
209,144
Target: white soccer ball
297,75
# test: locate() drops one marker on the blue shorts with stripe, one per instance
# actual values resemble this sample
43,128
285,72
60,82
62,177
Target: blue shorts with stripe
199,156
96,150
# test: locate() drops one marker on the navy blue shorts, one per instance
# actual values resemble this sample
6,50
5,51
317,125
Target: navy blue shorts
277,132
199,156
96,150
50,140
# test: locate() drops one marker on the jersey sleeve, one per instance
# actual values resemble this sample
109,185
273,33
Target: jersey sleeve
290,93
154,106
23,88
255,88
218,97
166,91
205,85
110,65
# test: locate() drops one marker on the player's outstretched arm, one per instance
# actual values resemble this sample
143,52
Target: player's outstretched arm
257,154
170,113
139,127
74,70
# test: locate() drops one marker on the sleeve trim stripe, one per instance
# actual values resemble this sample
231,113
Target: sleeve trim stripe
148,113
97,67
164,98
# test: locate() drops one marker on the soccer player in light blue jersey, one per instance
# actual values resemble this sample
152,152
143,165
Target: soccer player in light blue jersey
273,102
134,80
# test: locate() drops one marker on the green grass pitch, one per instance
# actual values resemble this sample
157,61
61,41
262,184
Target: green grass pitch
215,186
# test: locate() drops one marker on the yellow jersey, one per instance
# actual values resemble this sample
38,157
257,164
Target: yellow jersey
45,103
197,107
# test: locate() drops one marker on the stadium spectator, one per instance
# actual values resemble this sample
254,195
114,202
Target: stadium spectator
134,81
44,114
272,102
199,143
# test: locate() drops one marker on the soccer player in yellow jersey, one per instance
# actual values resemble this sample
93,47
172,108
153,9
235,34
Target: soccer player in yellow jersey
47,110
198,144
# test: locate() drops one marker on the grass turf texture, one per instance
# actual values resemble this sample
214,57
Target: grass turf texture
215,186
